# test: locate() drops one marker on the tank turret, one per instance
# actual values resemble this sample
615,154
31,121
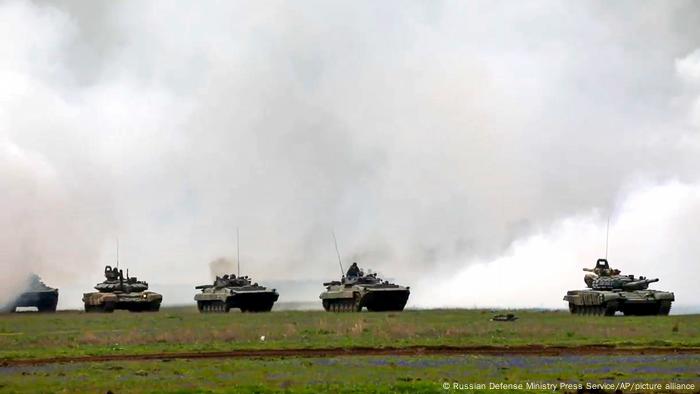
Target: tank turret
622,282
116,282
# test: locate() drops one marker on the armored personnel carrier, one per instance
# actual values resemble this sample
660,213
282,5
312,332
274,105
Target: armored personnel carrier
37,294
235,292
354,292
628,294
118,292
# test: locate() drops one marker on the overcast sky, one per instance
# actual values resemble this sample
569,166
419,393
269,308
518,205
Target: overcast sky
473,150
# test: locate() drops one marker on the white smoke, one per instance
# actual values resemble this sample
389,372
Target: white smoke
651,235
433,137
221,266
47,227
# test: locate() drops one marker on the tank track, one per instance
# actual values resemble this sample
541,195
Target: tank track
213,307
661,308
109,307
342,305
592,310
664,308
223,307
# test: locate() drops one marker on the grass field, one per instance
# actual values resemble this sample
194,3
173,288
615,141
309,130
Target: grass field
343,374
28,335
33,336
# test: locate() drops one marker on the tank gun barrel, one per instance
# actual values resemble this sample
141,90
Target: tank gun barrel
639,284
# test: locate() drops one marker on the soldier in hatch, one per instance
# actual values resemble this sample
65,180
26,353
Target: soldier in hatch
111,273
221,281
602,268
353,271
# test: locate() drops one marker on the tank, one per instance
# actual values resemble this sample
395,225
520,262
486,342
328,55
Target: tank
38,295
118,292
608,294
352,293
234,292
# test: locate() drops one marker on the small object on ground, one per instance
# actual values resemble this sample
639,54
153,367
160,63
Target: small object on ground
508,317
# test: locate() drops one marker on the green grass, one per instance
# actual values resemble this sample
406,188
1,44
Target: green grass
29,335
345,374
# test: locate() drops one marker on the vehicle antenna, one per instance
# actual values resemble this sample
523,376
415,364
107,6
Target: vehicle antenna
117,252
342,271
238,252
607,236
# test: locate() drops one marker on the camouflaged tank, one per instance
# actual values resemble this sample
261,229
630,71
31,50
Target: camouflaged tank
37,294
628,294
352,293
235,292
117,292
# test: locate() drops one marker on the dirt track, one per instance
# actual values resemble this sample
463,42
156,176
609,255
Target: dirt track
532,350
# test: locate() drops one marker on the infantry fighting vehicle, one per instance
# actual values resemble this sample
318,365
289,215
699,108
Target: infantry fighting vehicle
352,293
628,294
235,292
38,295
118,292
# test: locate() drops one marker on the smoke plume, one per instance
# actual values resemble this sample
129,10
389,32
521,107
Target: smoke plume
221,266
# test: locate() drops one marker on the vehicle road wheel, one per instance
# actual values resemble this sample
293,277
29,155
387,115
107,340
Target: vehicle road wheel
356,306
610,309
